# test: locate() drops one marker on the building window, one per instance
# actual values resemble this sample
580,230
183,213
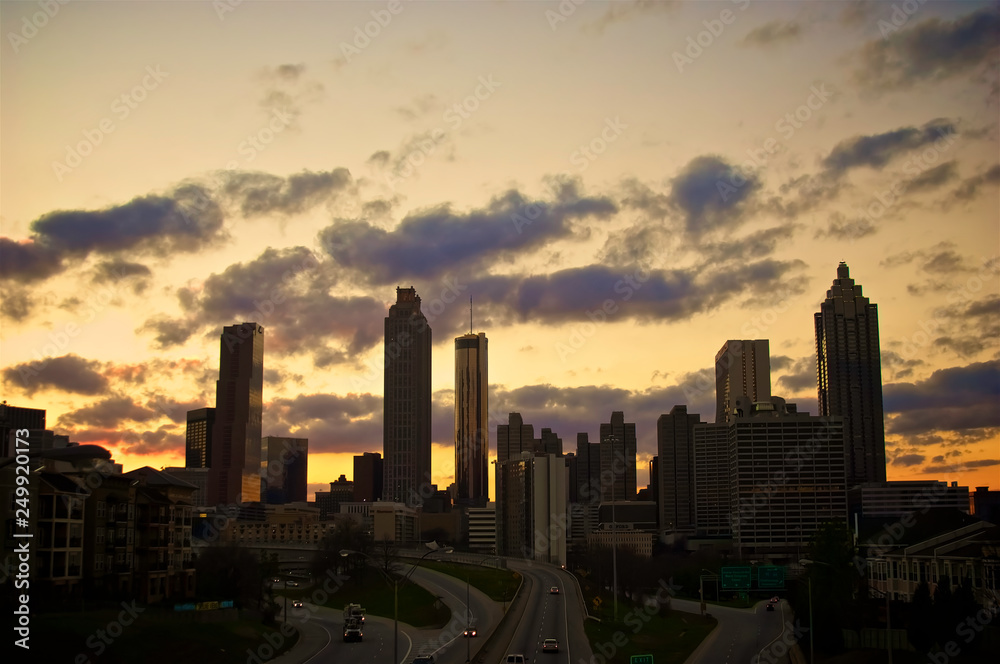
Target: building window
100,508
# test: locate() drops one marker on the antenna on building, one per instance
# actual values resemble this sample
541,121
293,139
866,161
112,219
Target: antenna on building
470,315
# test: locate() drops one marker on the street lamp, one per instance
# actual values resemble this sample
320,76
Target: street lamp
395,591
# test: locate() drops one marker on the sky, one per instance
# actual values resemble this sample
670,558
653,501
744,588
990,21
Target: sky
619,188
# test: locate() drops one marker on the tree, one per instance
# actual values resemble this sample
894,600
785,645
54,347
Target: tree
835,580
387,556
345,534
920,624
229,571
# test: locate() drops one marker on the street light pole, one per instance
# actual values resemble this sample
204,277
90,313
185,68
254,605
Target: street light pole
395,591
468,626
812,656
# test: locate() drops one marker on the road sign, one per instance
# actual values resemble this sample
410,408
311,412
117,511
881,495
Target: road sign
771,576
735,578
641,659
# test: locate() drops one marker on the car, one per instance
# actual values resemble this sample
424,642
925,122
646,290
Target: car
292,584
550,645
554,590
775,599
275,580
770,607
297,604
514,659
470,631
423,659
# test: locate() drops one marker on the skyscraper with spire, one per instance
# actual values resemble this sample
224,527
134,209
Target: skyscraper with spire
849,375
406,423
472,440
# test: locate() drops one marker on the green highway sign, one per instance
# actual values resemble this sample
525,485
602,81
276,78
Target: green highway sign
641,659
735,578
771,576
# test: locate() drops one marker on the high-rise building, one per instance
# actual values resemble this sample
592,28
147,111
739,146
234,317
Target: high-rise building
675,449
550,443
786,477
285,468
13,418
198,438
849,373
618,447
236,446
406,423
711,480
742,367
534,521
514,437
472,439
328,502
368,477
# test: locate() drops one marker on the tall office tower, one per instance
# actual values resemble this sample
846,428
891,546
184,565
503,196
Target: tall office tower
368,477
675,449
711,480
13,418
514,437
533,522
741,368
849,375
472,434
284,467
588,473
550,443
236,456
618,459
198,438
786,477
406,423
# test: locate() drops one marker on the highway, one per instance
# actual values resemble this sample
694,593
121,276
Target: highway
446,644
743,636
545,616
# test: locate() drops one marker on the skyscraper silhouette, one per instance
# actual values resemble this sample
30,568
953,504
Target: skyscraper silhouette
742,368
849,375
236,447
618,447
406,423
472,441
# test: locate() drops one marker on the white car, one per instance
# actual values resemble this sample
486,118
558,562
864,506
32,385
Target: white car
514,659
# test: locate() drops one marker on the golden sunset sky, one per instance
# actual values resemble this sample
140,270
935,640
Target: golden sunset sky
697,168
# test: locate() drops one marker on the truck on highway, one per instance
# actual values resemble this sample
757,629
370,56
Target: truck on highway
352,630
354,611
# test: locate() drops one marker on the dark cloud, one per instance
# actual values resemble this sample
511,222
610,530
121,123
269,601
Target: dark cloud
932,178
288,292
907,460
877,150
259,194
773,32
839,227
937,469
17,303
184,221
109,413
900,366
709,194
332,423
968,326
67,373
970,187
436,242
956,398
939,259
799,376
932,50
420,106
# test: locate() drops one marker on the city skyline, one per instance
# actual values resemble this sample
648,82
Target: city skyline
613,229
